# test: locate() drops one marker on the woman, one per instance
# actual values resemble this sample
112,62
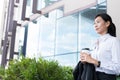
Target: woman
106,53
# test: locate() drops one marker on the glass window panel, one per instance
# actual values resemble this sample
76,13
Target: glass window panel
48,2
49,58
86,29
39,4
19,39
60,12
47,34
32,40
66,35
67,60
28,2
102,7
45,3
29,8
101,1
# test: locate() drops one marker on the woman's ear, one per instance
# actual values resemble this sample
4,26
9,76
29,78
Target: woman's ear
107,23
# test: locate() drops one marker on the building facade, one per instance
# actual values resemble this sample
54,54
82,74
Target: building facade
52,29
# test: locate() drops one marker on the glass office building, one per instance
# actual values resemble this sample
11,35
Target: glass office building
55,35
59,37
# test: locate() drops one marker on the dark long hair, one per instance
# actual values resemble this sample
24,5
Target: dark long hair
111,28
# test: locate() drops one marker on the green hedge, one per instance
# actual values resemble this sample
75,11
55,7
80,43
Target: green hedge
30,69
118,78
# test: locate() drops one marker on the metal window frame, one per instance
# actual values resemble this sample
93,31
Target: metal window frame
23,17
34,6
17,1
9,26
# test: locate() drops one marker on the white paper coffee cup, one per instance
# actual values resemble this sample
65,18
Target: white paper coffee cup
86,50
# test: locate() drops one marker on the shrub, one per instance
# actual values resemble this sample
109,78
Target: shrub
30,69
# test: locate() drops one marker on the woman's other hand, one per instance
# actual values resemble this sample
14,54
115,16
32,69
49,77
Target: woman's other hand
85,57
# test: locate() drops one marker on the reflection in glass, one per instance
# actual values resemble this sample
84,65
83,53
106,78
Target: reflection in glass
28,8
67,60
32,40
66,34
48,2
47,34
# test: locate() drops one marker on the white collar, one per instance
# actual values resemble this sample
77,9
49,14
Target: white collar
104,37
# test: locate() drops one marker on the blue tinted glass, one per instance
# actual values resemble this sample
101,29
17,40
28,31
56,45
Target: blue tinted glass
66,34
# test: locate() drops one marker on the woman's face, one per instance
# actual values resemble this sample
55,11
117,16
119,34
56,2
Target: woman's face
100,25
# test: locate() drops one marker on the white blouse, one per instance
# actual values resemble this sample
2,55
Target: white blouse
107,51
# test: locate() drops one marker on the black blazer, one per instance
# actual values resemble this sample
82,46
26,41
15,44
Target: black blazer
84,71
